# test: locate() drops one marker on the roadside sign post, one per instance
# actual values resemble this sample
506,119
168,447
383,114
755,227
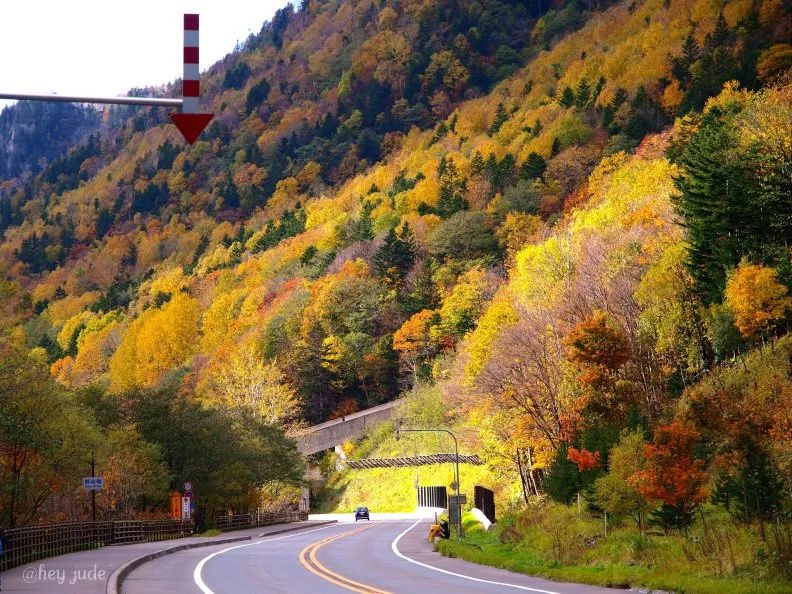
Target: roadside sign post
188,503
93,484
93,491
455,503
190,122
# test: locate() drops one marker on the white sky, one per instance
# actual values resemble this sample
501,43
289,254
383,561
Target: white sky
102,47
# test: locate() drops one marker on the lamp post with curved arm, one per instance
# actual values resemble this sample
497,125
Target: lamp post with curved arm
399,431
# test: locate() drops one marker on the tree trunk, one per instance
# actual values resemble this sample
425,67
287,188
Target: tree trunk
522,476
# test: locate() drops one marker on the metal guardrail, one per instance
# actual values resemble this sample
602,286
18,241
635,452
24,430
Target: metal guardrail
258,519
30,543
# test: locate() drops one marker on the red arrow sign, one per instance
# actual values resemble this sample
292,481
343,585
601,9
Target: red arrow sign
191,124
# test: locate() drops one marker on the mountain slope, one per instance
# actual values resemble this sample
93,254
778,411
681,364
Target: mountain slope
295,116
32,135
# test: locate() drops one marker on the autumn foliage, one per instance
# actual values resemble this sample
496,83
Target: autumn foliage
673,474
756,297
564,218
597,348
585,459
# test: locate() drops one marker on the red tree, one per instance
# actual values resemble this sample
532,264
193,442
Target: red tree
585,459
672,474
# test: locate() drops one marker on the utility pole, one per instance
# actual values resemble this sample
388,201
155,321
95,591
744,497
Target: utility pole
399,431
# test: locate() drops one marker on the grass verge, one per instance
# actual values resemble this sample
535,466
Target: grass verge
487,548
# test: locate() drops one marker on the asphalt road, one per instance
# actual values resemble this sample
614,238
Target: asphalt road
376,557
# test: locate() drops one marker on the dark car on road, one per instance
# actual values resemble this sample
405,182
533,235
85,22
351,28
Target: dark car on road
362,513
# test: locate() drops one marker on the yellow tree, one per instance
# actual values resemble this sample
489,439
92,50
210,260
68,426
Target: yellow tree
412,340
244,379
157,342
756,298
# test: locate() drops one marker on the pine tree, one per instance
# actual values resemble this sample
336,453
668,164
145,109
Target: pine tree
501,117
477,165
395,257
533,167
567,97
562,481
598,88
721,35
441,167
451,187
363,228
423,294
583,94
718,218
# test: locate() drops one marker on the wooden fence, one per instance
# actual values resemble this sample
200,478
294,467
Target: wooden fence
258,519
30,543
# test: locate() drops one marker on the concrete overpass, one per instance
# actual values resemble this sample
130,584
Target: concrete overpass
333,433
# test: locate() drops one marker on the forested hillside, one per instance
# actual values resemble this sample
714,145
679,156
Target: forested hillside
569,219
33,135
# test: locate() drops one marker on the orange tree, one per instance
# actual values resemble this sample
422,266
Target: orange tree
673,475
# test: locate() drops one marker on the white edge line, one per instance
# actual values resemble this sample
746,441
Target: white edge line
197,571
398,553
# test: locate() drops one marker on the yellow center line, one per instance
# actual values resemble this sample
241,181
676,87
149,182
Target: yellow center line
311,563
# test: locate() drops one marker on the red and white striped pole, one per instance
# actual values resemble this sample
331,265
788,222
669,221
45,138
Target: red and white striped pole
190,122
191,79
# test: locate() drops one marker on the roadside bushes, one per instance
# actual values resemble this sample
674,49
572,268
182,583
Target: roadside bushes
554,540
554,532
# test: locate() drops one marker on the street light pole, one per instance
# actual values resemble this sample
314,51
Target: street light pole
399,431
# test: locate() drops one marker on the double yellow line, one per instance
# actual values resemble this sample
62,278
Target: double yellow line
312,564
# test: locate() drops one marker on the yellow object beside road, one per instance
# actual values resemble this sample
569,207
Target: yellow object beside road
434,531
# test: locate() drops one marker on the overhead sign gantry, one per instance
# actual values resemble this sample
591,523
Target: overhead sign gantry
189,121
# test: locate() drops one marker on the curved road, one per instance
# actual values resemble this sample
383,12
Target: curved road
380,557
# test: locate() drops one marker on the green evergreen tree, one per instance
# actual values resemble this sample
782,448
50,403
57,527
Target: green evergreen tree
441,167
363,227
713,206
308,255
452,186
477,165
567,97
501,117
562,481
583,94
394,259
533,167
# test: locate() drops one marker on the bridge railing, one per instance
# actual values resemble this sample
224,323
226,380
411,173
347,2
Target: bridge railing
258,519
30,543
